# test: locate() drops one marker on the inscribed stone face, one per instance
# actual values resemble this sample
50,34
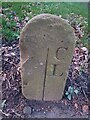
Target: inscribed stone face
46,47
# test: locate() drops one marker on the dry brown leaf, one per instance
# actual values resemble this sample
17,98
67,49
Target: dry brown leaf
85,108
76,105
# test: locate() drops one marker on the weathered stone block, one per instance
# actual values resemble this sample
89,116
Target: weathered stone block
46,46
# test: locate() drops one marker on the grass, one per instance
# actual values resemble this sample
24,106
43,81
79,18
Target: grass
23,9
49,7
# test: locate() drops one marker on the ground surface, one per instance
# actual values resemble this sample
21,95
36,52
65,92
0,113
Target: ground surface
16,105
75,99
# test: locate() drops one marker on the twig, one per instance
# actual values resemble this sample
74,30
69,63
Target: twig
84,94
6,114
13,64
16,113
9,83
81,77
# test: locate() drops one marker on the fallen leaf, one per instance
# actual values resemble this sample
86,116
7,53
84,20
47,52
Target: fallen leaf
76,91
69,97
65,102
85,108
76,105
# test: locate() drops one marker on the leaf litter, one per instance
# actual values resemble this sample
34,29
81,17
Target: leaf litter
75,95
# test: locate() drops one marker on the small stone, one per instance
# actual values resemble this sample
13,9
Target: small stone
27,110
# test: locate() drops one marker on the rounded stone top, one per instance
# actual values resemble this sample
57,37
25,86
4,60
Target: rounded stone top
47,20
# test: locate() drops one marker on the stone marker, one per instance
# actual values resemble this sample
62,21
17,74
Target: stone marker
46,46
